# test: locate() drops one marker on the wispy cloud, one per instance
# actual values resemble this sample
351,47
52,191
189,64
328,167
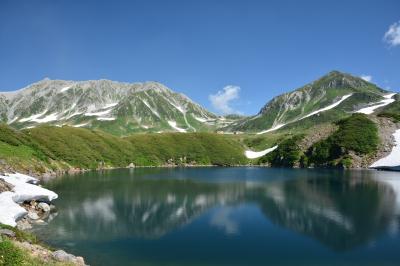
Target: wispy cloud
392,36
222,100
366,77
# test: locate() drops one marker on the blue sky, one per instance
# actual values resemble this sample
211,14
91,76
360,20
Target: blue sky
254,49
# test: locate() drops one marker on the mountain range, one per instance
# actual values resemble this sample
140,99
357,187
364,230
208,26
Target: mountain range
126,108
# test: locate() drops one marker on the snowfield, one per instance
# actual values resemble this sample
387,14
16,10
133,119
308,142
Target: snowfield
328,107
256,154
393,159
371,109
66,88
272,129
23,190
173,125
310,114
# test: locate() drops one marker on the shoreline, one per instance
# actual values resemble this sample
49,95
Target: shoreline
24,203
51,175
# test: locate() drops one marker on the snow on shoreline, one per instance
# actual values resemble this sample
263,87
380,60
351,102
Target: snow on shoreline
371,109
393,159
256,154
23,190
310,114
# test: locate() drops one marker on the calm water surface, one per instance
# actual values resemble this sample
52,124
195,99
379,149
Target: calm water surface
228,216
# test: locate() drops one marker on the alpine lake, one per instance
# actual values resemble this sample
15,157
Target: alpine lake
227,216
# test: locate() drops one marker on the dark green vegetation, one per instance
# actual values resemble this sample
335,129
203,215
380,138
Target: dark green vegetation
356,134
287,154
54,147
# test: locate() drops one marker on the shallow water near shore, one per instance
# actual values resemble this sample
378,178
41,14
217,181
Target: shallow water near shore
227,216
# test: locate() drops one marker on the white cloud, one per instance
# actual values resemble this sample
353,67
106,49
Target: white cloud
221,101
366,77
392,36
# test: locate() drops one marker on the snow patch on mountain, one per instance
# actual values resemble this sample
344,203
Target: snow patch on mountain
271,129
371,109
32,117
256,154
151,109
174,126
328,107
106,118
46,119
310,114
199,119
81,125
66,88
101,113
109,105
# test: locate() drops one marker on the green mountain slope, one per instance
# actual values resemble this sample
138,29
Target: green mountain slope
339,93
47,147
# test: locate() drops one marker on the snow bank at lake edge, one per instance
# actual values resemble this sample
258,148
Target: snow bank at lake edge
10,210
393,159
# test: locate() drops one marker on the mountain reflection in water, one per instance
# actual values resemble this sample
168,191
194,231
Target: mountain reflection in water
342,210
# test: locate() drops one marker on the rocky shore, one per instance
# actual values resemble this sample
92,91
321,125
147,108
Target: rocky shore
23,203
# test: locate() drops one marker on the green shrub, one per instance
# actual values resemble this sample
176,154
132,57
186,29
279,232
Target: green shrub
355,134
288,153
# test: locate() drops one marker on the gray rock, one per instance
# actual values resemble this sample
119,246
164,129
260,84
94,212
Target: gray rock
43,206
62,256
33,215
7,232
24,225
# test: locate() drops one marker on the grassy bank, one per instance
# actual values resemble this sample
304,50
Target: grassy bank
13,254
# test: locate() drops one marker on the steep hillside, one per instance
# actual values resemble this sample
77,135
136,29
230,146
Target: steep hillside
338,93
115,107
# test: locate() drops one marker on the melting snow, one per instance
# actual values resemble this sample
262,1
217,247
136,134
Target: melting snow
173,125
13,120
109,105
47,118
101,113
33,116
370,109
393,159
328,107
81,125
199,119
272,129
22,191
310,114
256,154
151,109
106,118
66,88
